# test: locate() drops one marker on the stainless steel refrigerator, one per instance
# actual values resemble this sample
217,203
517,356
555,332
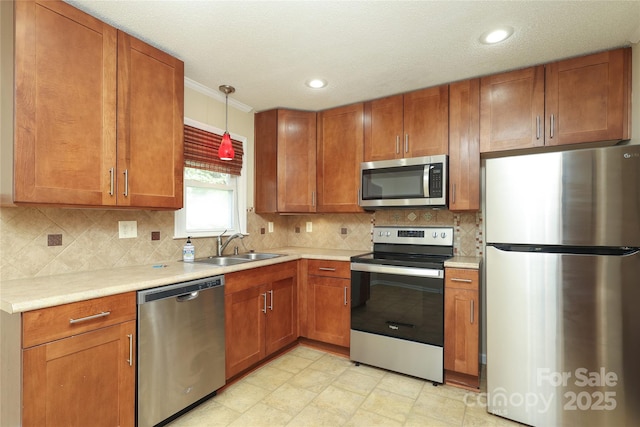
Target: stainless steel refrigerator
563,287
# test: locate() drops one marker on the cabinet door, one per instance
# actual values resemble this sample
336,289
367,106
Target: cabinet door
461,331
462,314
65,105
282,315
588,98
150,126
296,161
383,128
340,151
512,110
329,309
245,313
426,122
464,145
88,379
266,162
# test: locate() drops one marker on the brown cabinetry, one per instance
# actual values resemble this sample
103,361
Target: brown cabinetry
80,86
79,363
261,311
339,154
410,125
329,302
585,99
464,145
461,331
285,161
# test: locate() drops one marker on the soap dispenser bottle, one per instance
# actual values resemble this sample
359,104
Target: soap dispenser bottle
189,251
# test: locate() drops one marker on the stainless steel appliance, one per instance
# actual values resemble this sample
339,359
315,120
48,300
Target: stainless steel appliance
397,301
416,181
563,284
181,350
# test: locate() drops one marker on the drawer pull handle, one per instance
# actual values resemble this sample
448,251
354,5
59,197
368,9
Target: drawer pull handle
461,280
95,316
326,269
130,359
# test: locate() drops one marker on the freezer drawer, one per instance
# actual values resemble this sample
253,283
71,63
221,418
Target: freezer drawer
562,338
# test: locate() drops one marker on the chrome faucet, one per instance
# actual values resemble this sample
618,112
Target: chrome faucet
221,246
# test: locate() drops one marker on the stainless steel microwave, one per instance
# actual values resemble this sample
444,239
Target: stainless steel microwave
416,181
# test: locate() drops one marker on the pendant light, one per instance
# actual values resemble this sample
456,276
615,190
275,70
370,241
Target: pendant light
225,152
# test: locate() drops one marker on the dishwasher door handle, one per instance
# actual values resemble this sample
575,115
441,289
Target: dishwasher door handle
188,297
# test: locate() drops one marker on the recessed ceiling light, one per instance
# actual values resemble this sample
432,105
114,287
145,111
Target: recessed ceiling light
496,36
316,83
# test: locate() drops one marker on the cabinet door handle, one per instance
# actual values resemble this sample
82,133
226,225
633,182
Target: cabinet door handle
111,181
313,198
397,144
126,182
345,296
553,124
472,314
454,279
406,142
538,127
94,316
326,269
453,196
264,306
271,299
130,359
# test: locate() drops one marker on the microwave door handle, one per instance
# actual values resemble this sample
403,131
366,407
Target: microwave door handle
425,181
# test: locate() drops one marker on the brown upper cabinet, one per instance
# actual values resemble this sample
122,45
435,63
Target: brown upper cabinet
98,113
464,145
578,100
285,161
410,125
339,154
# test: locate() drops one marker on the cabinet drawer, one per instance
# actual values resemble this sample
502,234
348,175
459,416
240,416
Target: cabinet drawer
53,323
461,278
320,267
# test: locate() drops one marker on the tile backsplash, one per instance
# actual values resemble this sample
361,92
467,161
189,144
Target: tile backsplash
90,237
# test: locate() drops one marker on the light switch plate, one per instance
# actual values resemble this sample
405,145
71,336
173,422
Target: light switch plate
127,229
309,226
270,226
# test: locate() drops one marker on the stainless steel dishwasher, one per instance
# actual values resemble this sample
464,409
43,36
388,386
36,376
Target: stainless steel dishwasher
181,353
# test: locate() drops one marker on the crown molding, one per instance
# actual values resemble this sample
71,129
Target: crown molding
215,94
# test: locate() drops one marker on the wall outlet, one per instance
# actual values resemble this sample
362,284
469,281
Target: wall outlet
309,226
127,229
270,226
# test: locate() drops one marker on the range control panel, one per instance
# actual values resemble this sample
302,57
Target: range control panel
438,236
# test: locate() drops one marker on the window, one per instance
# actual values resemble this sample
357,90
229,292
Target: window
213,201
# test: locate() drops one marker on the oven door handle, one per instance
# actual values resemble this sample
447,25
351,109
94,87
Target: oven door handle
398,270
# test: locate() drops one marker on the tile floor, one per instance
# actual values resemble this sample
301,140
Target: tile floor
308,387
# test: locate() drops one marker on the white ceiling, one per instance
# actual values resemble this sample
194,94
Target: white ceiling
364,49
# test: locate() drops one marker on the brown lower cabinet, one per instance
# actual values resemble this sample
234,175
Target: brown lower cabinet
329,302
461,327
261,312
87,377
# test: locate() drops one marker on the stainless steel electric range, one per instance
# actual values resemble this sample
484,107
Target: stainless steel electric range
397,301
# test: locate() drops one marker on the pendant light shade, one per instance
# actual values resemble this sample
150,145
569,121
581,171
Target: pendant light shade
225,152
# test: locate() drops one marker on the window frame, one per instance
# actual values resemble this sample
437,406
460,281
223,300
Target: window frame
240,192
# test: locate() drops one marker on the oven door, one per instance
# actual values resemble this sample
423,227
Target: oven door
399,302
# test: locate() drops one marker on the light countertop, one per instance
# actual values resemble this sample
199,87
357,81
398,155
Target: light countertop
39,292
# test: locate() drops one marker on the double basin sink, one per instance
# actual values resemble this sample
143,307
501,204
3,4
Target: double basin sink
236,259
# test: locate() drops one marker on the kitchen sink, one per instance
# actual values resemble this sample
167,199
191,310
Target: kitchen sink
222,260
255,256
236,259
